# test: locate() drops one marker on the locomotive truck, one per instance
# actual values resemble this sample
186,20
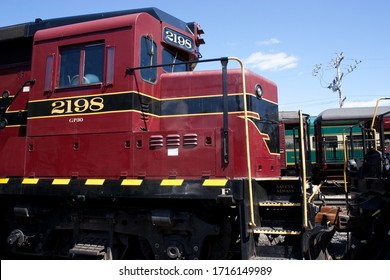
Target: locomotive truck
113,147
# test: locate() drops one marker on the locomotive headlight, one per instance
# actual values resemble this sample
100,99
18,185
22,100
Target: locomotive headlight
258,91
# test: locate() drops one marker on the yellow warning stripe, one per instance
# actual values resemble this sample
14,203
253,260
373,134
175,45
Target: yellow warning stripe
214,183
124,182
60,182
95,182
4,180
30,181
131,182
171,182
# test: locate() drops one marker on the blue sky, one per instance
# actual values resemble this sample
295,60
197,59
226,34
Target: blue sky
280,40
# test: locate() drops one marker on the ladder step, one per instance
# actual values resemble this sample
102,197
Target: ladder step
90,247
277,230
283,178
270,258
272,203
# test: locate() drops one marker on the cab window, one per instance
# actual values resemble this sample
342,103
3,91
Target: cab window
81,65
169,57
148,58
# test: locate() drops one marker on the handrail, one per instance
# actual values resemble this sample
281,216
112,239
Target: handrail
345,160
376,109
248,155
303,163
373,119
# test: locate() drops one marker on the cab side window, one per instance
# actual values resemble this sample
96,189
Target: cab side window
169,57
148,58
81,65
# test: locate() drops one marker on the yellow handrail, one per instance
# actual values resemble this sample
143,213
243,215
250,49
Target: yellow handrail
303,164
376,110
345,162
248,155
373,119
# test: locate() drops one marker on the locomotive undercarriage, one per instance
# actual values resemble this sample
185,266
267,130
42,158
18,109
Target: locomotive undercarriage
178,222
125,229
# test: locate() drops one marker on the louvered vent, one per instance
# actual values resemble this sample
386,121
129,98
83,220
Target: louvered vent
156,141
190,139
173,140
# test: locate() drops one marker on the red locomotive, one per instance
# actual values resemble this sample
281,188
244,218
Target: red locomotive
113,147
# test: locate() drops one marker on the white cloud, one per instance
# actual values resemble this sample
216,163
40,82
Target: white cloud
369,103
232,44
271,61
272,41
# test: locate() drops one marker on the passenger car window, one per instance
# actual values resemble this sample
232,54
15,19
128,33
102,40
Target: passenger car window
81,65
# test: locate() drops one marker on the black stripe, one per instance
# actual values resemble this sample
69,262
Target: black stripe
172,107
133,101
16,118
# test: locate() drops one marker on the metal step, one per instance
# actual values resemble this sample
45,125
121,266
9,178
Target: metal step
270,258
91,247
277,230
280,178
281,203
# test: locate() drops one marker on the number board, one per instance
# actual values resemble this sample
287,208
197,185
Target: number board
178,39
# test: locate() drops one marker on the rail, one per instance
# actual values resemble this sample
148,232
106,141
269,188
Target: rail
248,154
345,163
303,170
374,117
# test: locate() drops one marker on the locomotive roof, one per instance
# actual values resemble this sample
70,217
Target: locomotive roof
350,114
25,30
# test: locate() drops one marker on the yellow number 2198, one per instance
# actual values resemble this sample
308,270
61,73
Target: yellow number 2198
77,106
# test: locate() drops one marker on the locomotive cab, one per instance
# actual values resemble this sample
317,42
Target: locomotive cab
84,106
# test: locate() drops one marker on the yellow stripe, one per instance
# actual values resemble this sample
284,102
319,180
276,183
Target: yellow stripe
15,125
285,178
131,182
214,182
84,114
4,180
83,96
171,182
94,182
30,181
60,182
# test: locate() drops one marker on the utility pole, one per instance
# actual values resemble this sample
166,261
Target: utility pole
336,84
